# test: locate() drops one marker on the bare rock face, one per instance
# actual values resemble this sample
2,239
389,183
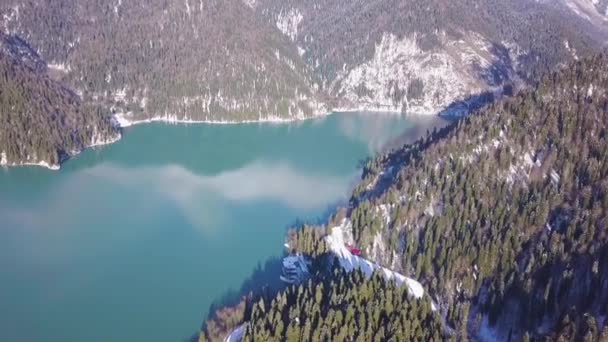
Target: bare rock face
403,77
427,56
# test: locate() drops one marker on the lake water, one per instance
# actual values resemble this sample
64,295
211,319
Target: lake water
135,241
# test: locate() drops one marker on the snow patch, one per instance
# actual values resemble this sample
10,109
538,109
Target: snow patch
301,51
350,262
250,3
120,95
236,335
571,50
124,120
288,23
402,77
11,16
99,140
554,177
188,12
62,67
43,163
590,90
117,6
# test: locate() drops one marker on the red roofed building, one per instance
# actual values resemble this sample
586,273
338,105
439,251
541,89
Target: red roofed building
353,250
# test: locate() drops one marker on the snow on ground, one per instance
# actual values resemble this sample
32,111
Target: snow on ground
250,3
123,120
45,164
60,67
554,177
288,23
350,262
99,141
236,335
398,62
12,15
587,9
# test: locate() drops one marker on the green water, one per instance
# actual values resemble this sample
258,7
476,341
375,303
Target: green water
135,241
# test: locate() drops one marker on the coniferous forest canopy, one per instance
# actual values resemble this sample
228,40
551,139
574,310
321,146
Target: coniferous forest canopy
235,60
501,216
26,92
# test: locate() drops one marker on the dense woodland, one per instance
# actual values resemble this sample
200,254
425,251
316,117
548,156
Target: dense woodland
41,120
337,307
200,60
229,61
539,28
502,215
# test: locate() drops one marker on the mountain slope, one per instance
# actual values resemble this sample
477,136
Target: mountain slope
502,216
422,56
235,61
507,213
41,121
181,60
216,60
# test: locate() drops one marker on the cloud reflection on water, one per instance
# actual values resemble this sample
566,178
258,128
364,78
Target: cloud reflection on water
201,198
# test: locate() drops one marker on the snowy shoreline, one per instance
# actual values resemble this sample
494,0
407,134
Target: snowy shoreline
350,262
120,121
55,167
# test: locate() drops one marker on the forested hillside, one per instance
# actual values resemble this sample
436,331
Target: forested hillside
217,60
501,216
507,213
235,60
41,121
335,309
172,60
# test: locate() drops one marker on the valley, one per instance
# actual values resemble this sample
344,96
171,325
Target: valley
170,222
259,61
434,170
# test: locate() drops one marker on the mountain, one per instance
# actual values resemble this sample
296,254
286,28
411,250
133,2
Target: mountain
594,11
501,217
215,60
174,60
41,121
269,60
425,56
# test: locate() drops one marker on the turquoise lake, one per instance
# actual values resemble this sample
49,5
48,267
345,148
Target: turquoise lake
135,241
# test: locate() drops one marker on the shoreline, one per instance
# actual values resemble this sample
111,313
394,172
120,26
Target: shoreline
57,167
120,122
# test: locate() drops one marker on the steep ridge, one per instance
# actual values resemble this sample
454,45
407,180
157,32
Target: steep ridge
501,217
423,56
505,215
41,121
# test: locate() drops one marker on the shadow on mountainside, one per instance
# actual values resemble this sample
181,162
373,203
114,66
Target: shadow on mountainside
264,280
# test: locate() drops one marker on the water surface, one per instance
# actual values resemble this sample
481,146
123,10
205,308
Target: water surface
135,241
